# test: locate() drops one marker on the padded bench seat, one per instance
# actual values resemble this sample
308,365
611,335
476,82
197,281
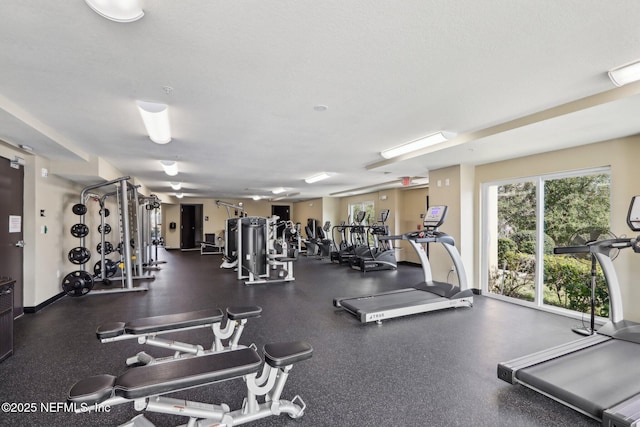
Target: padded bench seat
169,322
162,378
153,380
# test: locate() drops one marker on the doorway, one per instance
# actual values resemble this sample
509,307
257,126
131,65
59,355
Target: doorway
11,228
190,226
282,211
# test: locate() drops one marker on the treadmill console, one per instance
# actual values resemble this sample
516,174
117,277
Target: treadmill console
633,218
434,217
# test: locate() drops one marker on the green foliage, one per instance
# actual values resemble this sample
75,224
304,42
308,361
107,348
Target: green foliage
515,277
569,281
526,242
573,204
505,245
516,207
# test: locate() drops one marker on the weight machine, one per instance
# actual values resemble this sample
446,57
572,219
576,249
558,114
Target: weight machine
261,252
230,253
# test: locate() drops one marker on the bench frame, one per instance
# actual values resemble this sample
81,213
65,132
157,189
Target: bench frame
235,323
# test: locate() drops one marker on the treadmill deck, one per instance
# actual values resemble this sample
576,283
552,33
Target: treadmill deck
591,380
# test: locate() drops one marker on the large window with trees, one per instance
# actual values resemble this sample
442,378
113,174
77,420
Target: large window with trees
368,207
524,220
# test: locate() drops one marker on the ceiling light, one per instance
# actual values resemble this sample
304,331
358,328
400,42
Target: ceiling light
179,195
418,144
156,120
256,198
26,147
316,178
624,74
170,167
176,185
278,190
117,10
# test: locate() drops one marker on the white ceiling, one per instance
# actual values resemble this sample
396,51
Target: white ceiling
246,75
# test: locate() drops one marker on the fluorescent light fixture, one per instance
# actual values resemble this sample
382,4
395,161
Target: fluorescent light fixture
179,195
156,120
278,190
176,185
418,144
170,167
117,10
625,74
316,178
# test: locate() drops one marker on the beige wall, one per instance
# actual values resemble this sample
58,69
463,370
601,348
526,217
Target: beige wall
414,204
622,156
217,216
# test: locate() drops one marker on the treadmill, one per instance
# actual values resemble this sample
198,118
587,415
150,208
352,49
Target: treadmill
426,296
599,375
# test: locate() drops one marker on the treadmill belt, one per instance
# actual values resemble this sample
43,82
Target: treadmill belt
389,301
593,379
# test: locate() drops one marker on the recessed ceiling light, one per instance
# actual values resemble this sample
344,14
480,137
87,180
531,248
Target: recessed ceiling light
320,107
176,185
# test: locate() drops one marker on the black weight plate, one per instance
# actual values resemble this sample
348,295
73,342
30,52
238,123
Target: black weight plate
77,283
108,248
79,255
79,230
107,229
79,209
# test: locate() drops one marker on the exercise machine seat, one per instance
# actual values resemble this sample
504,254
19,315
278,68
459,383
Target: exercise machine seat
287,353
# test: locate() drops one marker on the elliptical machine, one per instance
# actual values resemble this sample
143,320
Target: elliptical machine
381,255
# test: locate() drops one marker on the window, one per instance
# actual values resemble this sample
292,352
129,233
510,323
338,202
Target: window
367,207
523,220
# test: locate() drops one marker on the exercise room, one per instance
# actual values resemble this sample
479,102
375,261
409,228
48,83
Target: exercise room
319,213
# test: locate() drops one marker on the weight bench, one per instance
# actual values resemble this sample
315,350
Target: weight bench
144,386
147,329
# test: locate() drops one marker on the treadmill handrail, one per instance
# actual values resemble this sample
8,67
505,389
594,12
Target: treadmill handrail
429,237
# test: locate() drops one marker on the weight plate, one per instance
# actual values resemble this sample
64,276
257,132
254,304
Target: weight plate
110,265
79,230
107,229
108,248
79,255
79,209
77,283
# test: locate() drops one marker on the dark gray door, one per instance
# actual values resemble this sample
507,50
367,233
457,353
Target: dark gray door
11,228
187,227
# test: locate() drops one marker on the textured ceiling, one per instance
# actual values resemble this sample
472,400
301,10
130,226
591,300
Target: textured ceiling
246,75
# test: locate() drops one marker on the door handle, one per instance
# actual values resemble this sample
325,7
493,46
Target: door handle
20,243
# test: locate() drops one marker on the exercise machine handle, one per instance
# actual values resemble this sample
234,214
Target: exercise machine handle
572,250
